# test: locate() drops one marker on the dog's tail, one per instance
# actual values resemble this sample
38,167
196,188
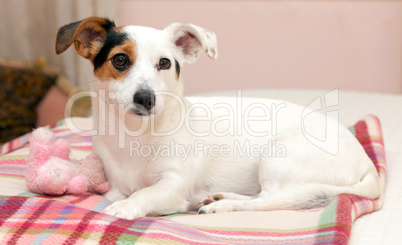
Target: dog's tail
368,187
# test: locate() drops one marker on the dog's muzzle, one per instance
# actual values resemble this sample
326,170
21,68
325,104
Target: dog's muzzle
144,101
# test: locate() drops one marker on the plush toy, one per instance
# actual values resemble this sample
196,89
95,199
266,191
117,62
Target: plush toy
50,171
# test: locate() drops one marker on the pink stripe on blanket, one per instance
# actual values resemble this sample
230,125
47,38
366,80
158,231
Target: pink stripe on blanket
66,218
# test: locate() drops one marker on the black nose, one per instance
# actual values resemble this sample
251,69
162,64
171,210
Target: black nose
145,98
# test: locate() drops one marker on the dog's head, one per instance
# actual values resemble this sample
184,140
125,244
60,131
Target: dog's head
137,64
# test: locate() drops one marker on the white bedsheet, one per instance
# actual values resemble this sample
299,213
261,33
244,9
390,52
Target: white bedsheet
384,226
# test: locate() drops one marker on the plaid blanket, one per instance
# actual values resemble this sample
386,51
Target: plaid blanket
27,218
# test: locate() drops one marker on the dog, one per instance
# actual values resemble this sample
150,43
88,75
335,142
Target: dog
165,153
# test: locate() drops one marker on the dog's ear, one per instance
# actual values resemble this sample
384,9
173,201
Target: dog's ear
190,40
88,36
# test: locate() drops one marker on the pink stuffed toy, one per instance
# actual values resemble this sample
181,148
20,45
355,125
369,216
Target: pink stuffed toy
50,171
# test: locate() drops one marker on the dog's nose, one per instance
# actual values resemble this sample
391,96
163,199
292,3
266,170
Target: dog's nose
145,98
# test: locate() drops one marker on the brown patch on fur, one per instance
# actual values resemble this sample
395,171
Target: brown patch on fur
210,199
217,197
108,72
207,201
87,35
89,48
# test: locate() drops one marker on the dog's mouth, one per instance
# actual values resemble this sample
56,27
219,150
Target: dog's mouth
140,112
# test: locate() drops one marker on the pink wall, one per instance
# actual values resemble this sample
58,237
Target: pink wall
354,45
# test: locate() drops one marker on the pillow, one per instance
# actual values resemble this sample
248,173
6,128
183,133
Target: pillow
22,86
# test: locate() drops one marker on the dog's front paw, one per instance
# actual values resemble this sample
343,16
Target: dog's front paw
114,195
123,209
218,207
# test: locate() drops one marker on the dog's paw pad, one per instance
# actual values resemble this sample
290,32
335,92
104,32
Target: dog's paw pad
205,202
217,197
210,199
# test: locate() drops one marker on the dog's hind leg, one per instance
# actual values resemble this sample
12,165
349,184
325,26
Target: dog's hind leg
293,198
308,177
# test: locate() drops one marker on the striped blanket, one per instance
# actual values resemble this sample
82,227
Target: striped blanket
27,218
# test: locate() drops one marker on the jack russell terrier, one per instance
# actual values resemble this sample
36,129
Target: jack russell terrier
165,153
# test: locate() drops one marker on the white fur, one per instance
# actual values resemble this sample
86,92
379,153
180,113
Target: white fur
163,184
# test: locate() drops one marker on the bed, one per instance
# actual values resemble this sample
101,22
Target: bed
375,119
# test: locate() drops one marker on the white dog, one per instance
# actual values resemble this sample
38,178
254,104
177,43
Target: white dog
164,153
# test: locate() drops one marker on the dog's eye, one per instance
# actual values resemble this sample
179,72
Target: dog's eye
120,61
164,64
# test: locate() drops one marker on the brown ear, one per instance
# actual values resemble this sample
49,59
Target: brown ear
88,36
